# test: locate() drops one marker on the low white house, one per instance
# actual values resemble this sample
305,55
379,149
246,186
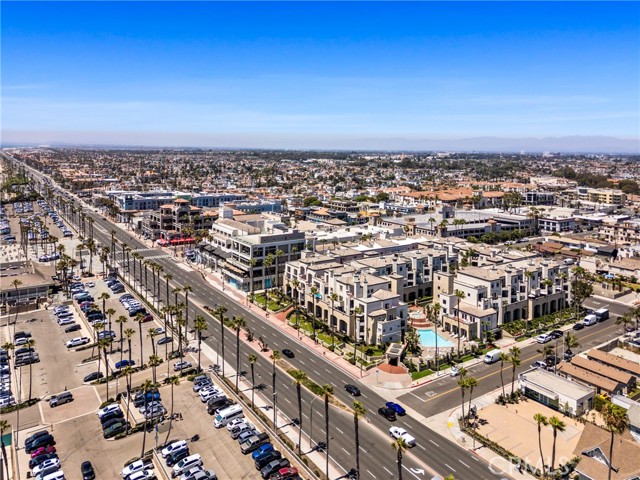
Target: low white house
556,392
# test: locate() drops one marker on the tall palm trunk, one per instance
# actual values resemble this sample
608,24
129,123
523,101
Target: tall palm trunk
356,431
222,341
299,393
237,357
399,463
326,433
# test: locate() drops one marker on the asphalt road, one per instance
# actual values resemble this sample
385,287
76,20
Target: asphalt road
439,395
433,454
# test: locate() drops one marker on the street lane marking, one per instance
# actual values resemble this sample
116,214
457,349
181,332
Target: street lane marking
328,371
464,463
420,446
340,430
434,443
316,372
388,471
363,450
345,451
449,466
474,458
419,398
288,401
371,474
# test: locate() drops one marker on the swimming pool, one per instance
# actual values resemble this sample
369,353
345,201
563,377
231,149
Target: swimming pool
428,338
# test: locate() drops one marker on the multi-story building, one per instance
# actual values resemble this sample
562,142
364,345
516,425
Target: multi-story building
539,198
478,299
176,220
606,196
142,201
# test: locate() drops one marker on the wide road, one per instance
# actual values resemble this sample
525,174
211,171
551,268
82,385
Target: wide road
434,454
439,395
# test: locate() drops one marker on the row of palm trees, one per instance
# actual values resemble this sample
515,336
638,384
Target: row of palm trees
616,422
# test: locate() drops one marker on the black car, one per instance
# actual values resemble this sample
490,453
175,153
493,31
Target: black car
287,353
352,390
164,340
93,376
72,328
23,350
552,361
86,469
568,355
273,467
35,461
217,403
267,458
578,326
175,457
388,413
33,437
111,422
43,441
555,334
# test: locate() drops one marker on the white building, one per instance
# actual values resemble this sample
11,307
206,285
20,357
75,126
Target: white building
556,392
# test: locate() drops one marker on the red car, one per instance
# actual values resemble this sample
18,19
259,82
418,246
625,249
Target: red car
148,318
287,472
42,450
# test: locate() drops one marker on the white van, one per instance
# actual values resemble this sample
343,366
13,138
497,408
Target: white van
226,415
59,475
590,320
492,356
186,463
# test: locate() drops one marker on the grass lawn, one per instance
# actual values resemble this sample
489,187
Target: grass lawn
422,374
273,305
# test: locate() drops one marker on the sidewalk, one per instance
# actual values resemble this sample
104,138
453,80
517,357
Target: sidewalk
446,424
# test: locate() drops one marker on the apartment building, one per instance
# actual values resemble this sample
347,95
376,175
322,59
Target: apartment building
177,219
624,233
605,196
479,299
349,298
143,201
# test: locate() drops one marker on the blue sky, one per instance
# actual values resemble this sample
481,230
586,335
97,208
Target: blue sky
317,75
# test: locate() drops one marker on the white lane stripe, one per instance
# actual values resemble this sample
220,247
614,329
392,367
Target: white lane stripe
388,471
344,450
371,474
434,443
340,430
464,463
420,446
449,466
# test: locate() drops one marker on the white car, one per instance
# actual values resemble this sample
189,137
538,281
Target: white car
237,421
66,321
142,475
76,342
157,330
46,465
90,284
544,338
455,371
182,365
397,432
114,407
177,445
208,393
137,466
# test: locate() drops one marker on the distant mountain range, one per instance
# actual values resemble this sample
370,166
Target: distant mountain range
569,144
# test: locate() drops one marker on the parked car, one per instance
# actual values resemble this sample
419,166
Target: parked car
93,376
176,456
172,447
73,328
35,461
86,470
124,363
274,467
48,466
352,390
78,341
267,447
285,473
544,338
164,340
133,467
107,409
261,460
181,365
43,450
43,441
578,326
116,414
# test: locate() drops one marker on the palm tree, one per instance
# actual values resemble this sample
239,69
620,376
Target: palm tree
173,381
102,347
267,266
558,426
617,421
514,360
358,411
299,377
314,292
503,358
400,446
464,385
625,320
460,295
181,322
238,324
146,387
541,420
221,310
121,320
167,278
186,290
253,358
200,325
327,392
275,356
279,253
140,318
30,344
252,264
570,341
154,361
472,382
129,332
127,372
4,425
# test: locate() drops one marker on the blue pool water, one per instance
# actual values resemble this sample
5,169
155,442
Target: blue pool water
428,338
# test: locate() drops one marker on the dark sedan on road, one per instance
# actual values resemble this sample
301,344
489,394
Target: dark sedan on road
92,377
387,413
352,390
578,326
288,353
